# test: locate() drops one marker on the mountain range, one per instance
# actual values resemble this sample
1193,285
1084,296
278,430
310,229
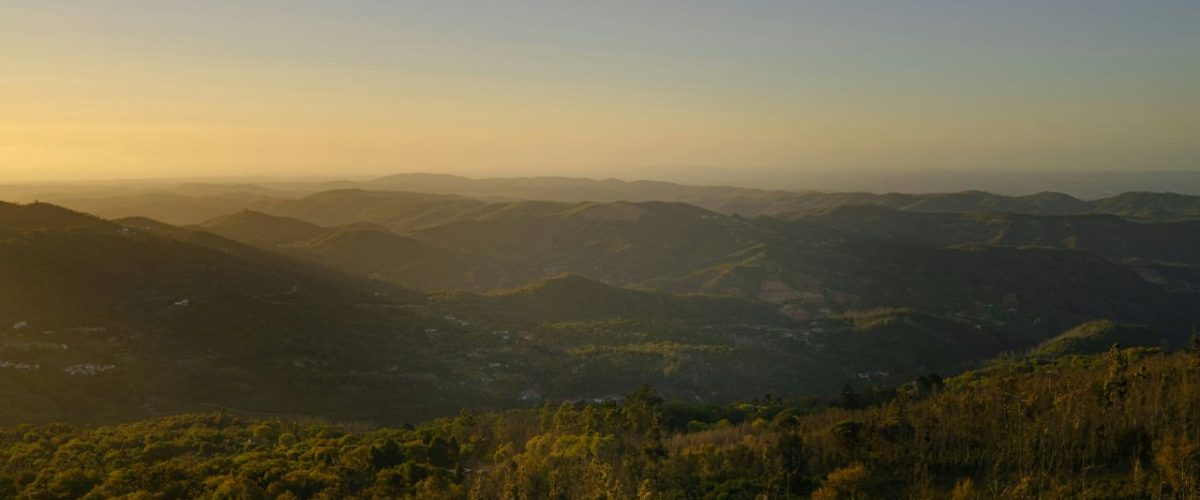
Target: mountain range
390,306
190,203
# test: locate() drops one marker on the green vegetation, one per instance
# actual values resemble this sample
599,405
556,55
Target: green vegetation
1097,336
1115,425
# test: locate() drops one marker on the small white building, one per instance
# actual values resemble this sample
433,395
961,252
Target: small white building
19,366
87,369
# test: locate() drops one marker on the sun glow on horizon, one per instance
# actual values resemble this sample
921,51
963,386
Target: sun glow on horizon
123,90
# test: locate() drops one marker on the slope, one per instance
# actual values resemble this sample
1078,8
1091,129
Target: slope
109,322
1095,337
1106,235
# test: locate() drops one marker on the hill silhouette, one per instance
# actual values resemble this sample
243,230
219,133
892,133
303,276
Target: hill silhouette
258,228
421,200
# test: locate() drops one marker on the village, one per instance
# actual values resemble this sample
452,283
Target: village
26,349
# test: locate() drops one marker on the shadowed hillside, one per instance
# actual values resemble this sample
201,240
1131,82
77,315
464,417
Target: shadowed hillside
573,297
140,323
1106,235
367,250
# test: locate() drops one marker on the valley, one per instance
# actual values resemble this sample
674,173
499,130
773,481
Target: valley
391,307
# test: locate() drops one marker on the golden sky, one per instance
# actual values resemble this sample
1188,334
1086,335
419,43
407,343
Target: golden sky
120,89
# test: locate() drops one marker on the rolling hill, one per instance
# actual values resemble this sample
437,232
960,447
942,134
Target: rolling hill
156,319
140,323
1107,235
750,202
397,211
431,199
617,242
570,297
366,250
979,265
306,319
257,228
166,206
1096,337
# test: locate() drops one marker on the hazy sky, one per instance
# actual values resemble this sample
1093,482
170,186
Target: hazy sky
103,89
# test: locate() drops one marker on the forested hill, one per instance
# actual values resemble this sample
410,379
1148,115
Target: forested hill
104,321
115,320
1116,425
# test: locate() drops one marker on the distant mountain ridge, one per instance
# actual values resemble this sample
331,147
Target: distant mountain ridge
748,202
193,203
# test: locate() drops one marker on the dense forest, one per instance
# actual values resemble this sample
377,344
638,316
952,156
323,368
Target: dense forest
1113,425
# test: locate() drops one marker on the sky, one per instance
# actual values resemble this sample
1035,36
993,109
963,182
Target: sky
151,89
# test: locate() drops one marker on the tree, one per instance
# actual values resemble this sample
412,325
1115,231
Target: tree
850,399
1117,382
